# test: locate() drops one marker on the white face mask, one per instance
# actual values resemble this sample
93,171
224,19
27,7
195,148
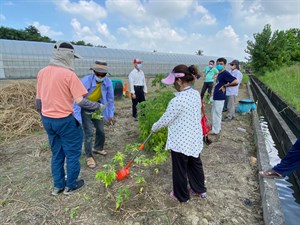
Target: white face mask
139,66
98,79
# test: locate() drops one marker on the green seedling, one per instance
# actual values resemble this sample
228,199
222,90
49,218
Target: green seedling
73,212
86,197
108,176
118,159
122,195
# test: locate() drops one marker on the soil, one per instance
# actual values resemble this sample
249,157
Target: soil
231,180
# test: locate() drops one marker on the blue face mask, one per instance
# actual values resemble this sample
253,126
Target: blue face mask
98,79
139,66
219,67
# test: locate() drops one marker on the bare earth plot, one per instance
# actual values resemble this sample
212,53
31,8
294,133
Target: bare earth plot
232,182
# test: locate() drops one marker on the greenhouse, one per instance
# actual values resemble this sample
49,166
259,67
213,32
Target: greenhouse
23,59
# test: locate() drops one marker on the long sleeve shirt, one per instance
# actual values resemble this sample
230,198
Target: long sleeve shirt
182,117
234,90
137,78
107,96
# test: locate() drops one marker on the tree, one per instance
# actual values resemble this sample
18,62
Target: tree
31,33
267,52
292,36
199,52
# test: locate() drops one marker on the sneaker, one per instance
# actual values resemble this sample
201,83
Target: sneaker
201,195
136,119
69,191
56,191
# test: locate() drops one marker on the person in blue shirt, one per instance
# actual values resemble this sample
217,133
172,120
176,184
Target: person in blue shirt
100,89
287,165
224,80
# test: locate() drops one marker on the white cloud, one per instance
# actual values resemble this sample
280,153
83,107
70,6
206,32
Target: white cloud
2,17
46,30
204,17
157,35
90,10
172,10
133,9
254,15
228,32
98,36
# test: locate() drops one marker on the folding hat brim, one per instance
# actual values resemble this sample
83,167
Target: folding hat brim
77,56
100,70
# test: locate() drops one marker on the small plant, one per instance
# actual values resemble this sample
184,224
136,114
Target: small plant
4,202
157,81
107,176
140,180
73,212
118,159
86,197
122,195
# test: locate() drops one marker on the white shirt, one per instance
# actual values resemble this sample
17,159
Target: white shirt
137,78
182,117
234,90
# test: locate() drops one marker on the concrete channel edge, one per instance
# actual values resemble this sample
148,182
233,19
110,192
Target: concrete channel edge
272,211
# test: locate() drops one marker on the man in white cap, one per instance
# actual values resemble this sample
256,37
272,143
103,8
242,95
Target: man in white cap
100,89
137,84
57,88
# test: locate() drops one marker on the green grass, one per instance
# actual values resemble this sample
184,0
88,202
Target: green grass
286,83
245,78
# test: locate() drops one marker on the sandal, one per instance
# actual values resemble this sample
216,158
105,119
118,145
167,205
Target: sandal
90,162
100,152
270,174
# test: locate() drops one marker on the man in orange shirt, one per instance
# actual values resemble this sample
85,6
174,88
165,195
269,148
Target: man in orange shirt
57,88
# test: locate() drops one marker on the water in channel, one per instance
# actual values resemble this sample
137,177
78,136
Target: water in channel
288,190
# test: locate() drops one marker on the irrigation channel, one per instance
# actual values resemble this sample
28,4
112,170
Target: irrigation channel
280,125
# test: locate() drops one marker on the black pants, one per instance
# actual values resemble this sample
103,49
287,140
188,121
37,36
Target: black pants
140,97
206,86
186,168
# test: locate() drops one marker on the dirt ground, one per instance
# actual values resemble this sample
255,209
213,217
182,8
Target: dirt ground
232,182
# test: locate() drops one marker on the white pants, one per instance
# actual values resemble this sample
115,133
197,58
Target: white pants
216,114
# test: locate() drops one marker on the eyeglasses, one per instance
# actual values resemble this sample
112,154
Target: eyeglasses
100,74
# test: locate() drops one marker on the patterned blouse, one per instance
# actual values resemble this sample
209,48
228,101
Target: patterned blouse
182,117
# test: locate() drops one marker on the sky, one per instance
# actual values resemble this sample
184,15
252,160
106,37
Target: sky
219,28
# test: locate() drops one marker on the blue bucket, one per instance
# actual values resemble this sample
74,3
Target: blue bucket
246,106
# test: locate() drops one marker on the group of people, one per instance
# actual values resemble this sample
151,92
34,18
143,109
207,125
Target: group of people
71,108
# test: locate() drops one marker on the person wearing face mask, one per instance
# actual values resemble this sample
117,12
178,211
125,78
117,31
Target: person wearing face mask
100,89
138,86
182,118
224,80
57,87
209,74
232,92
